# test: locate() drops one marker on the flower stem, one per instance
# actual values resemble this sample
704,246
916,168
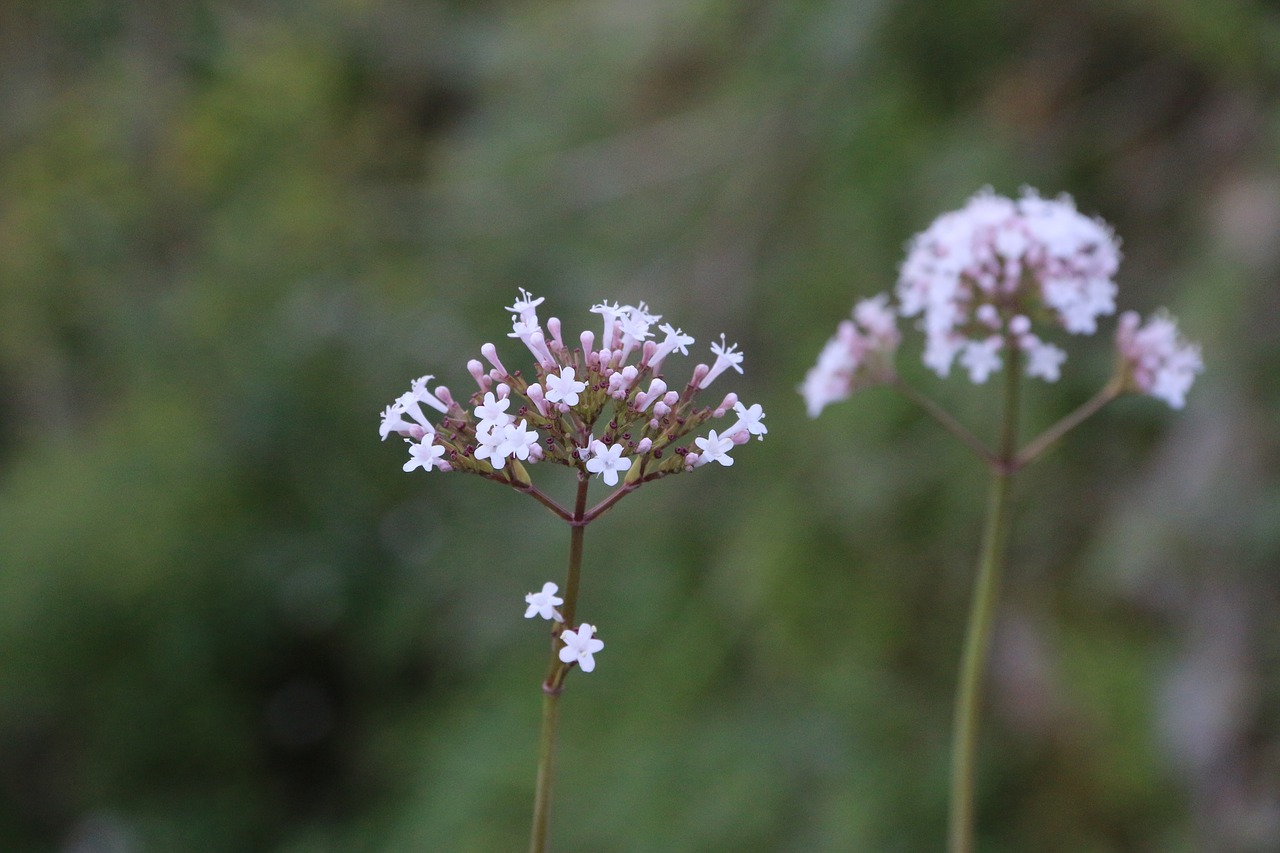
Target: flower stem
981,620
546,762
1047,438
554,684
946,420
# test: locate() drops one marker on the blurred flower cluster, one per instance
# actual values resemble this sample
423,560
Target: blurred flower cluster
998,276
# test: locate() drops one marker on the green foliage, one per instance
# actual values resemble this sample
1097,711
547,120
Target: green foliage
230,233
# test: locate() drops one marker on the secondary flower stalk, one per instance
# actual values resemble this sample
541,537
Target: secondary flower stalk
992,285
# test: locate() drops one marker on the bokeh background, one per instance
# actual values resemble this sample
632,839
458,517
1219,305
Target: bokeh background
231,232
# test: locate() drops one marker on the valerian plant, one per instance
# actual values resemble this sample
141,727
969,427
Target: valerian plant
602,407
993,285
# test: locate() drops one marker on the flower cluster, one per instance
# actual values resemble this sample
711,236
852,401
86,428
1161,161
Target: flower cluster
601,405
992,278
982,276
860,355
1156,359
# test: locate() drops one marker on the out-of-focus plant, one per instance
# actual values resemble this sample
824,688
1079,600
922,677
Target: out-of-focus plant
987,282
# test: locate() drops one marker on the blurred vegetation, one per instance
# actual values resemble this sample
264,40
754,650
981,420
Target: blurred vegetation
231,232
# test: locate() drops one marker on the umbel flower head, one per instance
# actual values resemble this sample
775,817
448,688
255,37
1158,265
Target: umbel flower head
602,406
983,277
1002,275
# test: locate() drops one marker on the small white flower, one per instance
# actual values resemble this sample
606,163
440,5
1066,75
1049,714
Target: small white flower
517,440
489,446
408,404
607,461
580,647
564,387
392,422
526,307
1045,361
727,356
610,313
982,358
420,392
634,323
425,455
715,448
750,419
544,603
676,341
493,412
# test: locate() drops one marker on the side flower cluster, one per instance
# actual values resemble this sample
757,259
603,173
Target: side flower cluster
1001,275
602,405
1156,359
860,355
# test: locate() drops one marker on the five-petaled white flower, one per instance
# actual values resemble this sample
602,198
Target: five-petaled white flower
544,603
715,448
425,454
607,461
517,440
750,419
564,387
982,358
489,446
580,647
493,411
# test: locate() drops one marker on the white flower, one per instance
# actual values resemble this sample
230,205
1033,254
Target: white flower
1158,360
564,387
526,307
493,412
544,603
610,313
607,461
425,455
727,356
517,440
633,323
715,448
750,419
489,446
580,647
420,392
982,358
676,341
1044,360
392,422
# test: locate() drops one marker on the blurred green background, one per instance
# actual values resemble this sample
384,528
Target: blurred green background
231,232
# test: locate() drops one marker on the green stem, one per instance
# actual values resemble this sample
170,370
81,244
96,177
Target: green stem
546,761
981,620
554,684
1047,438
946,420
